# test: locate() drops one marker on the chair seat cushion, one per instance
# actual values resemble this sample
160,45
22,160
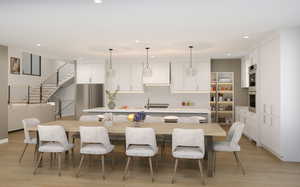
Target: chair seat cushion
140,151
188,152
30,141
53,147
96,149
225,146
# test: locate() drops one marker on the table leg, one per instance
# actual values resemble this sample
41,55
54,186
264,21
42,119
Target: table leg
210,159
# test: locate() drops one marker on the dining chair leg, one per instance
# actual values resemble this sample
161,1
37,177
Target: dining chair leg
215,161
151,169
21,157
35,153
237,158
37,163
126,168
59,164
73,158
175,169
112,160
103,168
51,159
80,165
201,171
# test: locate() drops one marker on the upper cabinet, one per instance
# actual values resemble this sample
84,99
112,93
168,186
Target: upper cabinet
245,72
90,73
160,74
181,82
128,77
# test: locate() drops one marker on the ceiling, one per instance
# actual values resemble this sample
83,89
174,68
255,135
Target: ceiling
73,29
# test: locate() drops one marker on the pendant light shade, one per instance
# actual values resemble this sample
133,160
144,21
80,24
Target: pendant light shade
190,70
110,70
147,71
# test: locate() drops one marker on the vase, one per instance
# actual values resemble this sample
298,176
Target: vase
111,105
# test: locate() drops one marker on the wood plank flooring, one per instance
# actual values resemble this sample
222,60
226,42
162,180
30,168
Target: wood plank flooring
262,170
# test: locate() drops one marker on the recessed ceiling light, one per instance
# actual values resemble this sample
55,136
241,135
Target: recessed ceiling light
137,41
39,45
228,54
98,1
246,37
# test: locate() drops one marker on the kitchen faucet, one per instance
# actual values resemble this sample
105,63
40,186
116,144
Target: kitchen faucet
148,103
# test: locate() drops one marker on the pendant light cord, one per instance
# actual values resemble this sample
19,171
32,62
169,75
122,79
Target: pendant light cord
110,60
191,61
147,48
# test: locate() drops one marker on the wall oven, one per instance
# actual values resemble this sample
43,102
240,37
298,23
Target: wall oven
252,78
252,89
252,101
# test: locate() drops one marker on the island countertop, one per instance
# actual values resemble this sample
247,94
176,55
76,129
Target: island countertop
183,110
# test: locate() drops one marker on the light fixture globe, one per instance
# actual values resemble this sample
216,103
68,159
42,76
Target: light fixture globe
147,71
110,71
190,71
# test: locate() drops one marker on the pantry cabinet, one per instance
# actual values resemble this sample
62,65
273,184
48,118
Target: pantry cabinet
89,72
181,82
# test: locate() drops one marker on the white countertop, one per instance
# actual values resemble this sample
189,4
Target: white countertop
183,110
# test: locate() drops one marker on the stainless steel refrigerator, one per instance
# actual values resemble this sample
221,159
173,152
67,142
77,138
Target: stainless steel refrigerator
88,96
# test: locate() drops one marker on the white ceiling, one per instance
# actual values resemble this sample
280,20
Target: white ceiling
80,28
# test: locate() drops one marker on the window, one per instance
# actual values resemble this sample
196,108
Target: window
31,64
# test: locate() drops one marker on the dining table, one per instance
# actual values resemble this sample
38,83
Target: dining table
211,130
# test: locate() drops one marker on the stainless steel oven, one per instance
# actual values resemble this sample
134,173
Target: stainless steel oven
252,101
252,89
252,78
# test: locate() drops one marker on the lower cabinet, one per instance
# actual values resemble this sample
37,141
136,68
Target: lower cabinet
250,121
270,133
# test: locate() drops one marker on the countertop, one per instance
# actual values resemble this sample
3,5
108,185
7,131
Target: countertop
183,110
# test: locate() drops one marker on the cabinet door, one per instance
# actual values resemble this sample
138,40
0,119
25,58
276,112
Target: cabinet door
245,73
123,76
177,76
160,73
97,73
83,73
137,77
203,76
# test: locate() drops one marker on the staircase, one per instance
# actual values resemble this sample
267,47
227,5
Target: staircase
42,93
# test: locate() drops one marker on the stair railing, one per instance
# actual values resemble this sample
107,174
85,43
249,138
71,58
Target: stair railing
22,93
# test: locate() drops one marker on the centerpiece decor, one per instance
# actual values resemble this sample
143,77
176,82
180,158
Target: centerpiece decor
111,98
137,118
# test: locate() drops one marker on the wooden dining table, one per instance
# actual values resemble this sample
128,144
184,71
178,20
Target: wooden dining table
118,128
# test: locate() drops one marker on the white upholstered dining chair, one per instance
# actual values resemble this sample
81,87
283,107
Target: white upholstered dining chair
86,118
231,144
53,139
140,142
29,140
94,141
188,144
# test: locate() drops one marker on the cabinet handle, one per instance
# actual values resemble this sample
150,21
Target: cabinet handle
264,108
264,119
271,123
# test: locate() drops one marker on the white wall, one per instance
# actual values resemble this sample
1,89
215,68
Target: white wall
290,104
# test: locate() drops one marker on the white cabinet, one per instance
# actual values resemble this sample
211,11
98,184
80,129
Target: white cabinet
127,76
90,73
250,120
182,83
160,74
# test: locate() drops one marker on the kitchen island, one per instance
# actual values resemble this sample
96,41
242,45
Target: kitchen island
183,111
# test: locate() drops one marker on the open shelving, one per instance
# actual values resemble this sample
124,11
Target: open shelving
222,97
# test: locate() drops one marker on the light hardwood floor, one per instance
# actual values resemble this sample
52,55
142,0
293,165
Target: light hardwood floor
262,170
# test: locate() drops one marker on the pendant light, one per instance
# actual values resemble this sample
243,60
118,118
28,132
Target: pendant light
147,69
190,69
110,70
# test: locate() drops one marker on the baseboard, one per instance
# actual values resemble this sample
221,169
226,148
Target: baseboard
4,140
